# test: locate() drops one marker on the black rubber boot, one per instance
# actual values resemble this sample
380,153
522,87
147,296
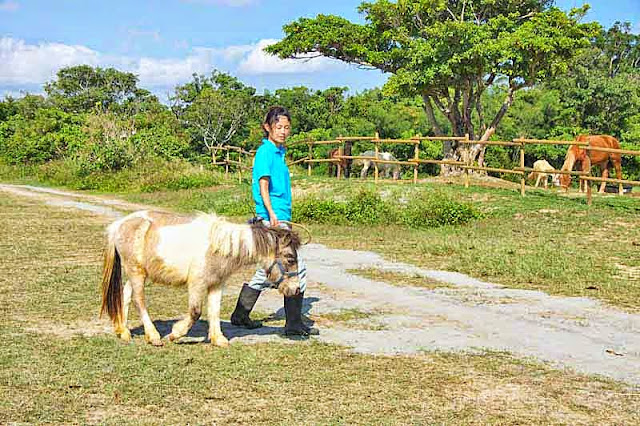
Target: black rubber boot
294,325
246,301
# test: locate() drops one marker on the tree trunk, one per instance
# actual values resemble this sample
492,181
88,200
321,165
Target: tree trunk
428,108
478,150
448,147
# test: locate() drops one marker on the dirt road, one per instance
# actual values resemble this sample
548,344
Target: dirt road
578,333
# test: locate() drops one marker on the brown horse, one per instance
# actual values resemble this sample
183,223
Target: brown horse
589,158
339,167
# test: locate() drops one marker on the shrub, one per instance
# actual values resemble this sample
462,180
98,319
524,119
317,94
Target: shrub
152,175
43,138
369,208
437,210
315,210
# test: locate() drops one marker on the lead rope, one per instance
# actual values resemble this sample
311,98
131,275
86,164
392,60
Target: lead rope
299,226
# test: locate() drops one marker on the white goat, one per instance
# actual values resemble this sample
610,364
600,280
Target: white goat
542,169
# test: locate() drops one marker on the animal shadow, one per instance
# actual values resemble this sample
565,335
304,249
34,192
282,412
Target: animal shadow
200,330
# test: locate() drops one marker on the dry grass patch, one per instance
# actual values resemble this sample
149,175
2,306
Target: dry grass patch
61,379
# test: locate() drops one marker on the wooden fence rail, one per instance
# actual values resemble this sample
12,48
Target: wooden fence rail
415,161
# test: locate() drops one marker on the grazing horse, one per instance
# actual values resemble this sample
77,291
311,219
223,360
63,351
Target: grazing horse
198,252
541,170
334,168
387,169
589,158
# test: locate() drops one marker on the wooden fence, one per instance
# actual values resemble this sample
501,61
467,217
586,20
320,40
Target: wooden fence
243,160
521,170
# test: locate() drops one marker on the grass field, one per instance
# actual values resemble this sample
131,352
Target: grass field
59,366
544,241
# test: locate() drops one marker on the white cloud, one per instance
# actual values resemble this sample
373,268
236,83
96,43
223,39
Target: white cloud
25,64
22,63
260,62
168,72
9,6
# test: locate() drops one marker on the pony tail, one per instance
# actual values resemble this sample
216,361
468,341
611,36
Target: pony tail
112,285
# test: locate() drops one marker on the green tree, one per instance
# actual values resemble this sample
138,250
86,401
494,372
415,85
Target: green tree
600,93
310,109
621,48
8,107
213,110
43,136
448,52
82,88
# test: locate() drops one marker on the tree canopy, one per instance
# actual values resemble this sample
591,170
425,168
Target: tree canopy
449,52
82,88
96,128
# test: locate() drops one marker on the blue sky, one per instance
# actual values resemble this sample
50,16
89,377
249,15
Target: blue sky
165,41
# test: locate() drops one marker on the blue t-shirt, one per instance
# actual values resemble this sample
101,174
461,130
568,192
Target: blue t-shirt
270,162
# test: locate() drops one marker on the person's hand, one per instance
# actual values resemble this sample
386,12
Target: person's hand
273,220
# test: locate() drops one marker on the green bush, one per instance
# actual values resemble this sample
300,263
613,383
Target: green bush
437,210
152,175
315,210
161,142
43,138
369,208
110,155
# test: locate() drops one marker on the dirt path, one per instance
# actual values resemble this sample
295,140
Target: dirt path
579,333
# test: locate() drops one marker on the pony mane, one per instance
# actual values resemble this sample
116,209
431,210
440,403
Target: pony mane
227,238
267,240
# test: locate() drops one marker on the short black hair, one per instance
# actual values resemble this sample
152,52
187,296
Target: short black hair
273,115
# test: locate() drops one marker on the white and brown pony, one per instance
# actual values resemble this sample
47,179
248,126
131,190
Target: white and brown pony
387,170
589,158
199,252
541,170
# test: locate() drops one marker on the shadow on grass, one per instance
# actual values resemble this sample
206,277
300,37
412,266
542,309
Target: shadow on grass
200,330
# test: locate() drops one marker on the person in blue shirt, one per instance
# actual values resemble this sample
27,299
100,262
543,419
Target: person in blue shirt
271,188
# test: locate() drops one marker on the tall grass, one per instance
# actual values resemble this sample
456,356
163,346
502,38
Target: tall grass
148,176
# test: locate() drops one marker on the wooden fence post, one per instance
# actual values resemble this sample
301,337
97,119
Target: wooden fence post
467,161
226,165
416,156
587,182
375,164
348,145
338,164
310,158
522,180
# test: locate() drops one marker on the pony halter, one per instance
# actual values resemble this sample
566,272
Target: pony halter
283,274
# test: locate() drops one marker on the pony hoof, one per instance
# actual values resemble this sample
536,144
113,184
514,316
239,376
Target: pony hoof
221,342
125,336
155,341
